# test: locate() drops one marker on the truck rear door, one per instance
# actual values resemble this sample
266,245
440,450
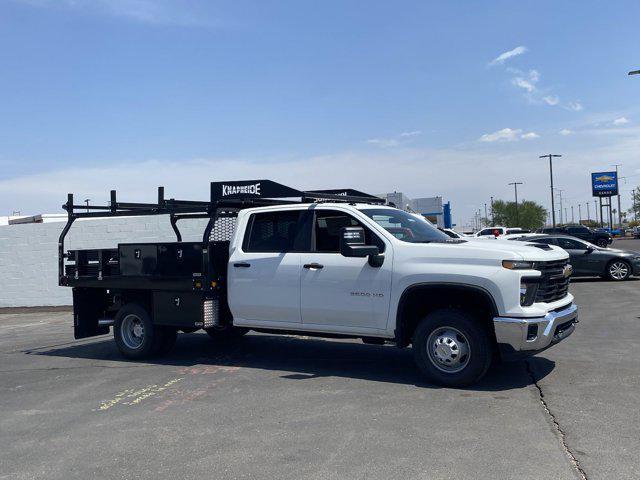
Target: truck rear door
264,270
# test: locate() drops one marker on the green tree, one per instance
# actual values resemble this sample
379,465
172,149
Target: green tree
529,214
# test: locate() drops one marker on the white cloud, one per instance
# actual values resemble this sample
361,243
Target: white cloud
522,83
528,83
384,142
530,136
503,57
396,141
565,131
621,121
575,106
508,135
504,135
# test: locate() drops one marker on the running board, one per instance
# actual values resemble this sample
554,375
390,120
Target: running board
105,322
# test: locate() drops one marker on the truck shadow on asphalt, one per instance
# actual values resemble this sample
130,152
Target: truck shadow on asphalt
303,359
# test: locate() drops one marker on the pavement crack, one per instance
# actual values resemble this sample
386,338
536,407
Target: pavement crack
575,463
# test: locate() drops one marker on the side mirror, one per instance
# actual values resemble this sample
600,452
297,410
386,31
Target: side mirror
352,244
589,249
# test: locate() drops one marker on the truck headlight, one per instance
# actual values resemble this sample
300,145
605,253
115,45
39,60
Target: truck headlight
518,265
527,293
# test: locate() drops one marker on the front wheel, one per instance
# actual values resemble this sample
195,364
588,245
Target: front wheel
452,348
618,270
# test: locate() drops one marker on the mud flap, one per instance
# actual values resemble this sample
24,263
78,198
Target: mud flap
89,306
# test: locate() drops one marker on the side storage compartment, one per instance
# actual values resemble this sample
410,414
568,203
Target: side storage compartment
89,306
138,259
178,309
160,259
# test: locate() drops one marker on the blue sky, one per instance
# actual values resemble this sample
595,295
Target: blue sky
380,96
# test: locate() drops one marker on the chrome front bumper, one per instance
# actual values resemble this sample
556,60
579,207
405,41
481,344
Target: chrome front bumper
525,336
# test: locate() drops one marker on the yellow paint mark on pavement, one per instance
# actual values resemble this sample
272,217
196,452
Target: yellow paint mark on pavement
133,396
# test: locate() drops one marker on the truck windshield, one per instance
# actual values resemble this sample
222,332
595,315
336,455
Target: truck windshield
406,226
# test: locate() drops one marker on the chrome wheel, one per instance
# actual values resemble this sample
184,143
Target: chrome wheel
132,331
619,270
448,349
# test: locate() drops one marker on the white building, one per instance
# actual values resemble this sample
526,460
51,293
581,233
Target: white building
431,208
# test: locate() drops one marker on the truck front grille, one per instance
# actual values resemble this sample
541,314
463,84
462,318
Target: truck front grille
553,284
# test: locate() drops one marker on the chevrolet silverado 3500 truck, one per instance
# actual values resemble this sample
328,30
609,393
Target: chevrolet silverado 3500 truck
335,263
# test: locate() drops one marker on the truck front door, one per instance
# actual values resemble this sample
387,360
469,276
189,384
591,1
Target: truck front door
264,272
339,292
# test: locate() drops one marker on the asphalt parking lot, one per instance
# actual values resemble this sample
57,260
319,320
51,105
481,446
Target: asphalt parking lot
291,408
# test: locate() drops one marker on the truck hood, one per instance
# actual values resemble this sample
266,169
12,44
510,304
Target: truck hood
491,250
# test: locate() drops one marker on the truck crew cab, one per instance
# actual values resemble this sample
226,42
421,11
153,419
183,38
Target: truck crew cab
326,263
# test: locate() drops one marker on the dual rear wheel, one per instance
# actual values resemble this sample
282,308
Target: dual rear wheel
137,337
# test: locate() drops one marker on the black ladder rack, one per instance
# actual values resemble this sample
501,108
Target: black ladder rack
226,198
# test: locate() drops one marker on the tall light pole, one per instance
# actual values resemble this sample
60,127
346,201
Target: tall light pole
580,213
595,207
635,211
618,183
560,194
486,217
515,187
572,220
588,213
553,208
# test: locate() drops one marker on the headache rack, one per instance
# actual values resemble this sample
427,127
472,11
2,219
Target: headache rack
226,199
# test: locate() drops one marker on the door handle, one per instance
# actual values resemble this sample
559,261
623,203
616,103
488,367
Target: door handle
242,265
313,265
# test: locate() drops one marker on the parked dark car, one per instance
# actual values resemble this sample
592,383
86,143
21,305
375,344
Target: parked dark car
590,260
599,238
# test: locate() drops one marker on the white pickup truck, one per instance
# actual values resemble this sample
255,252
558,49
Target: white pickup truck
338,268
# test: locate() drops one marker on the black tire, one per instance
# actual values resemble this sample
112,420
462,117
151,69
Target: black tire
226,333
619,274
131,345
602,243
168,337
455,331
